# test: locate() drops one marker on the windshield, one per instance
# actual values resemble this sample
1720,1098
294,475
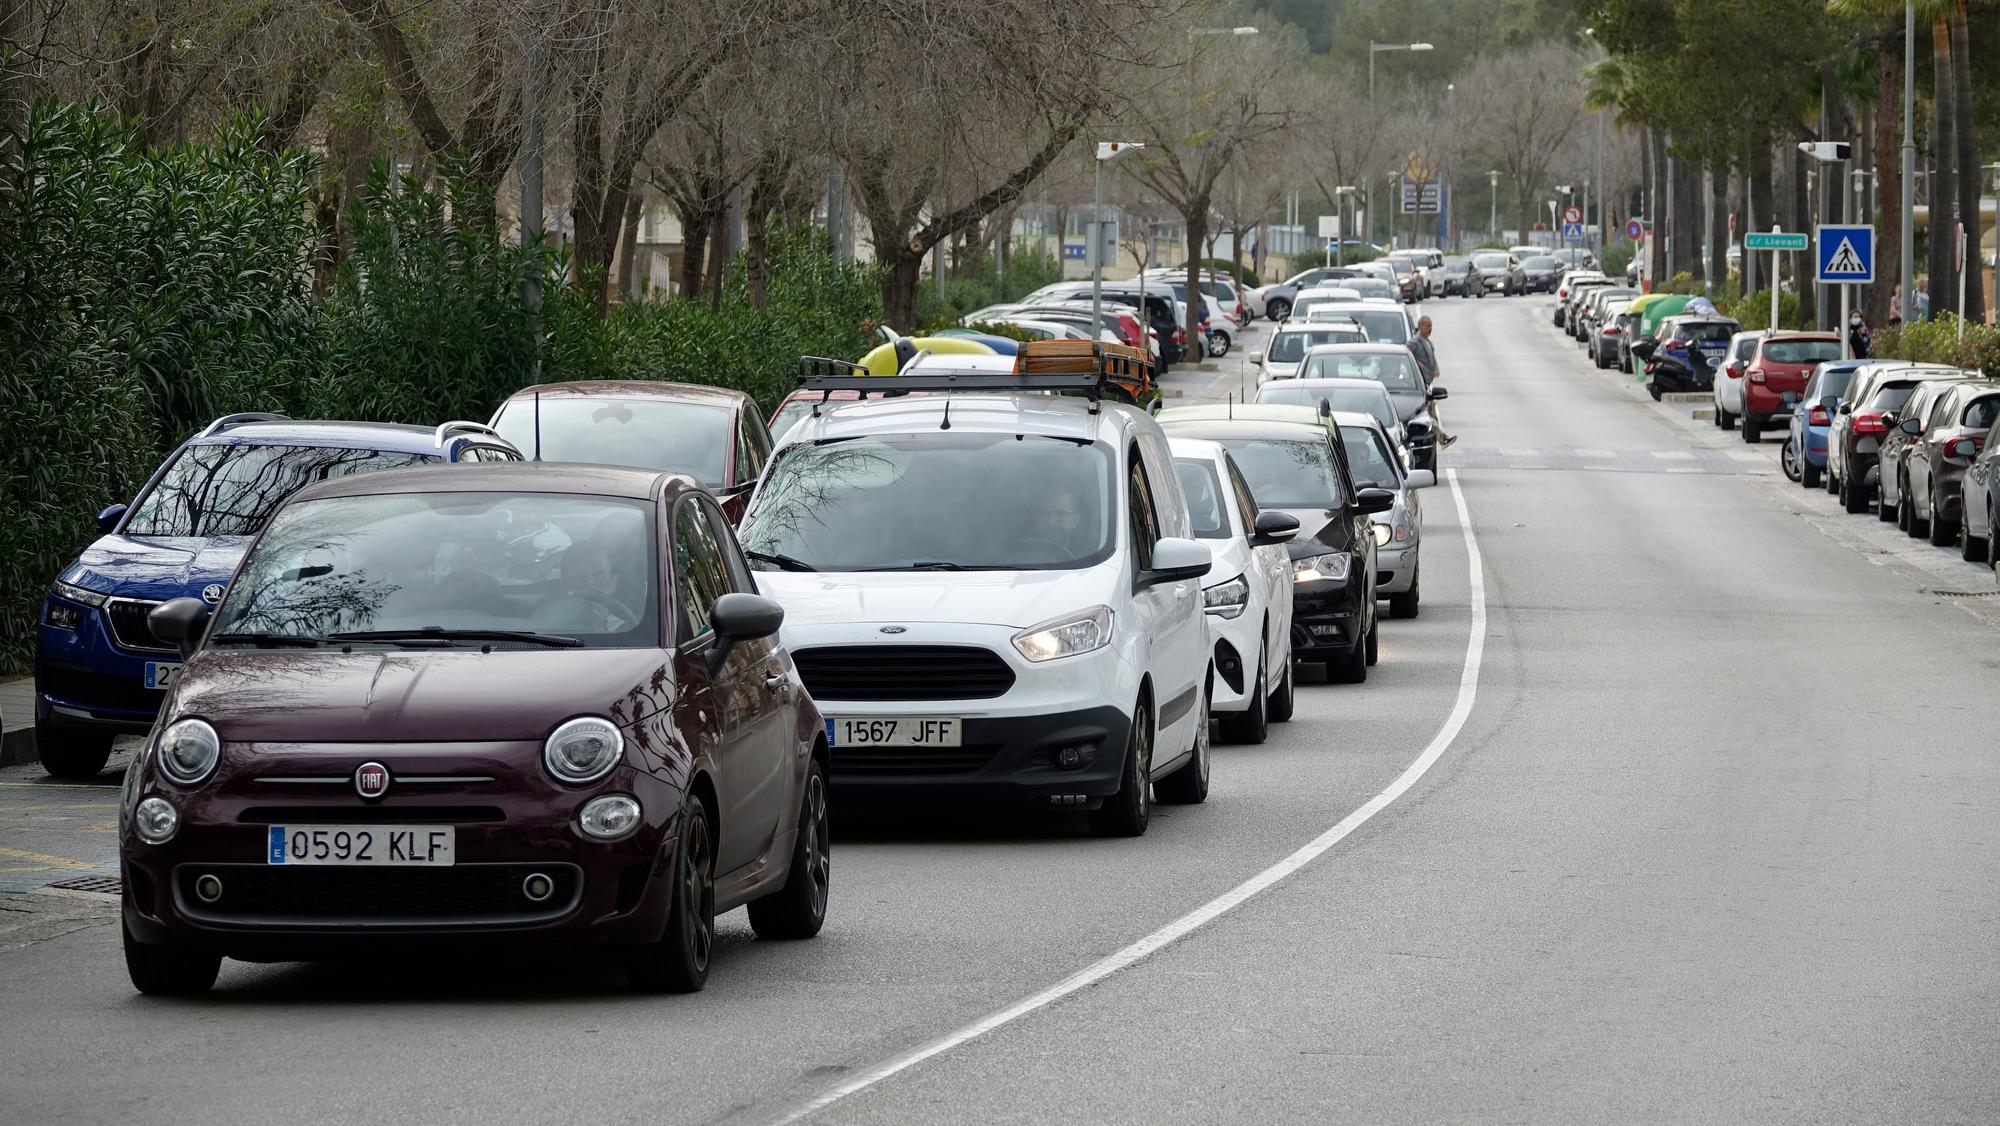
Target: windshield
1717,332
936,500
1368,459
1204,498
1362,400
1290,347
231,490
1395,370
690,438
1386,324
1801,351
1284,473
1371,287
557,564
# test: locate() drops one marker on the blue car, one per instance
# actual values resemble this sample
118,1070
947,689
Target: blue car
99,671
1804,455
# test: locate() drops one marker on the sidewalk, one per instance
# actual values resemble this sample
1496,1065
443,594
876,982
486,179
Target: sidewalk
17,721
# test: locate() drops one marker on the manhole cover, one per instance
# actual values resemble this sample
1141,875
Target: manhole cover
99,885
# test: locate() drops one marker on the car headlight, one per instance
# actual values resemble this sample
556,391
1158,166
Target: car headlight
609,817
583,750
67,607
188,751
1332,567
1382,535
1226,599
1067,636
78,595
156,820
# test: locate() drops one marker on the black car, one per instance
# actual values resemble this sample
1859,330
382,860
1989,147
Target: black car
1541,273
1501,272
1299,466
1462,278
1864,418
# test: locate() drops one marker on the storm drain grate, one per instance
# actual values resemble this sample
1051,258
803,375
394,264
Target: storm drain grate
1964,593
98,885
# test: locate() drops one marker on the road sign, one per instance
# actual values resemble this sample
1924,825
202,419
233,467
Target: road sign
1421,198
1635,229
1572,232
1572,214
1329,226
1075,252
1776,240
1846,254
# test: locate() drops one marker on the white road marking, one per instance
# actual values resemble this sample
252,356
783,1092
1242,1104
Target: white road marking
1468,691
1592,453
1674,455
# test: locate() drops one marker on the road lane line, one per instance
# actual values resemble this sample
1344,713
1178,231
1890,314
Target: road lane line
1468,691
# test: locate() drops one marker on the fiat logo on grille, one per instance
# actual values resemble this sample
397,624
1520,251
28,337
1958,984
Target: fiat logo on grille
212,593
371,780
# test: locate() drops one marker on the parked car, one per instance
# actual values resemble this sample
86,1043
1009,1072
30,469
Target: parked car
1162,314
593,741
1359,396
1276,301
1246,596
1780,365
992,595
1863,419
1946,438
1804,455
712,434
1462,278
1686,353
1604,342
1395,369
1289,342
1384,322
1575,258
1572,288
1500,272
1540,273
1981,505
1590,312
1294,462
1903,432
1730,373
1373,462
100,671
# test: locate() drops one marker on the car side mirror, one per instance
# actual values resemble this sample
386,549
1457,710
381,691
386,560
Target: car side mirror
1371,501
1440,393
738,617
1257,359
1644,349
1420,479
1911,426
1273,528
180,621
1845,408
1177,560
107,520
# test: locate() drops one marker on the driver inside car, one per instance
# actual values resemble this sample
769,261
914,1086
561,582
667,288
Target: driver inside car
589,601
1055,521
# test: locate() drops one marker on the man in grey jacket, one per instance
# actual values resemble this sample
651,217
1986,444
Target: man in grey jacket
1427,366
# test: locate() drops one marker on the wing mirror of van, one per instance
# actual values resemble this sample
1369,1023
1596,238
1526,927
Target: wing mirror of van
1177,560
181,622
1274,527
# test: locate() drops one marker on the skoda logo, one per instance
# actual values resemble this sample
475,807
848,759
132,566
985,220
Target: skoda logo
371,780
894,629
212,593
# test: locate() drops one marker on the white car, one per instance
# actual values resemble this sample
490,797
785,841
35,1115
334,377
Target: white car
1727,390
992,595
1399,532
1320,296
1385,322
1291,340
1247,596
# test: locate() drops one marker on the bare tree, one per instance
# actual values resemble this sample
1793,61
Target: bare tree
1531,102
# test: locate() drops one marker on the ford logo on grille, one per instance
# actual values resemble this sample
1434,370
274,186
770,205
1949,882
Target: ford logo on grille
894,629
371,780
212,593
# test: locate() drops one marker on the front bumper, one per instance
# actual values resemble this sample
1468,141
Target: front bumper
1395,567
1327,618
1234,645
83,679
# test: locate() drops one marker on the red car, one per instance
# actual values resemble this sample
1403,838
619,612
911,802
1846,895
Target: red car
531,706
1782,363
712,434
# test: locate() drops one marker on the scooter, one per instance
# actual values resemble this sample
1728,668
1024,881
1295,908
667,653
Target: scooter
1668,368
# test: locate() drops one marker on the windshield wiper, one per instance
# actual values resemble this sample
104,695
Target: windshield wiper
439,633
928,565
782,562
305,640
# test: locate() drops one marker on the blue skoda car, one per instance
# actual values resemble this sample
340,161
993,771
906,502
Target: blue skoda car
99,671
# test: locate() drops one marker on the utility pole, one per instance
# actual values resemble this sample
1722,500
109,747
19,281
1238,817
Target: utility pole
531,177
1909,235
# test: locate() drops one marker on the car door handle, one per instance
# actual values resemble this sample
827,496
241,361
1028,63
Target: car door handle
777,683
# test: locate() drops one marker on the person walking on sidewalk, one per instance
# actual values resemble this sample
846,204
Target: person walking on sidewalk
1427,366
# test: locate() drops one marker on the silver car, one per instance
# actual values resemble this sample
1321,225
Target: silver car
1358,396
1290,342
1399,538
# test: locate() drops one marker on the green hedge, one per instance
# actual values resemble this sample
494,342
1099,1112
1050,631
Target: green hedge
1937,341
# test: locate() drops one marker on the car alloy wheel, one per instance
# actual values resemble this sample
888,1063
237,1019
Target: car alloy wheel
1126,813
1252,725
798,909
1189,784
678,961
1788,460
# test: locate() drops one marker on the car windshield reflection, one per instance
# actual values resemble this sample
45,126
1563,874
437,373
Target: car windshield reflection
690,438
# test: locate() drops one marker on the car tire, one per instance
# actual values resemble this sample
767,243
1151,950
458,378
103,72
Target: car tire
1753,429
1189,784
1885,512
1832,482
678,961
1992,544
1723,419
1282,699
1218,345
1943,532
1653,389
1278,310
73,753
165,970
1788,460
1350,667
1810,475
1971,549
798,909
1125,813
1373,642
1405,605
1906,506
1253,725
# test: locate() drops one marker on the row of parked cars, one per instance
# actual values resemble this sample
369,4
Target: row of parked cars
592,672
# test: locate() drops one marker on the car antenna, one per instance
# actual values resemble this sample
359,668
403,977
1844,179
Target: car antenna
946,424
538,426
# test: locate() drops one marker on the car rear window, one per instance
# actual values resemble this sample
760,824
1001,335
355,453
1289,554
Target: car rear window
1394,370
690,438
1369,400
1982,412
1892,396
1834,384
1290,347
1711,332
1801,351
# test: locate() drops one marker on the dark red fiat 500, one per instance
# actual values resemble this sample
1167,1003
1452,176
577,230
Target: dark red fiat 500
545,706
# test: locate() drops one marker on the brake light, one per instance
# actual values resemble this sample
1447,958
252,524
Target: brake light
1965,448
1818,416
1609,330
1870,422
1756,375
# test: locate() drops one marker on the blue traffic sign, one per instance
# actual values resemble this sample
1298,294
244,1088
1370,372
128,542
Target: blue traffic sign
1846,254
1075,252
1572,232
1635,230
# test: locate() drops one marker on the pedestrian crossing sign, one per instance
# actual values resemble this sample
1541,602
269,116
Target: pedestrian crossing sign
1573,232
1846,254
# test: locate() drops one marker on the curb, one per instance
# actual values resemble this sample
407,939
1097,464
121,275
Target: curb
17,747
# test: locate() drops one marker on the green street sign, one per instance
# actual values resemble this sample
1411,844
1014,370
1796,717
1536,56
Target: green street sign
1776,240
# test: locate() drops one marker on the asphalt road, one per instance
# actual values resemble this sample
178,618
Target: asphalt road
1714,840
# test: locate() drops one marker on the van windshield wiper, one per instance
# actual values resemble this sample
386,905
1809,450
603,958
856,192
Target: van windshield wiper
782,562
439,633
927,565
273,640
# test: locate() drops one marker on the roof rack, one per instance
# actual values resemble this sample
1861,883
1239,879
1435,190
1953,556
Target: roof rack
1090,366
461,426
229,420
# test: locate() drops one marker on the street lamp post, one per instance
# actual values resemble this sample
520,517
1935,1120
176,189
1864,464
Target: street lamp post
1831,182
1342,196
1493,210
1909,234
1106,150
1374,49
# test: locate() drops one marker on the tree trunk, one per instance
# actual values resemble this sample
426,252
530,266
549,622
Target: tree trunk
1687,219
628,248
1656,190
1718,232
1888,175
695,223
1196,216
718,254
899,286
17,78
757,234
1970,174
1944,178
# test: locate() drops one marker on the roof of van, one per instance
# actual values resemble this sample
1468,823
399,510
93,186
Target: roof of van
1051,416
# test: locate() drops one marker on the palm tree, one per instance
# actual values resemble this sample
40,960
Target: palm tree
1969,171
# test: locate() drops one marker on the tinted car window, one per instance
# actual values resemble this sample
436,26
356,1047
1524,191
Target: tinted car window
231,490
1396,371
938,499
1246,504
1363,400
1369,461
1982,413
576,566
1801,351
1892,397
1833,384
1708,332
690,438
1204,498
1287,473
788,414
1145,519
700,575
1290,347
